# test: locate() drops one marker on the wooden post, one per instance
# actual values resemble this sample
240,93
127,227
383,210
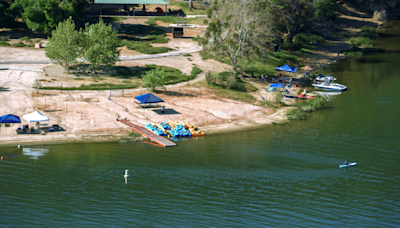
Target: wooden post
110,91
166,11
122,91
61,87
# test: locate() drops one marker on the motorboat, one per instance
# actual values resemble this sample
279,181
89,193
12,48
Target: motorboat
325,82
330,86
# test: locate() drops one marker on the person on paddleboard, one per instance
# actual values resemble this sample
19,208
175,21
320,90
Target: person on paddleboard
346,162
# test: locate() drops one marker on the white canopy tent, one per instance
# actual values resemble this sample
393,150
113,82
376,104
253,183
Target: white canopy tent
35,117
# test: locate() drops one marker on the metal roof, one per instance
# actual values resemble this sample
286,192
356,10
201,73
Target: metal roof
130,2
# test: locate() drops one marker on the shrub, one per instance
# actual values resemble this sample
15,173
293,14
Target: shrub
278,96
19,44
4,44
37,40
187,55
210,78
231,82
361,40
26,39
30,45
316,103
3,38
296,114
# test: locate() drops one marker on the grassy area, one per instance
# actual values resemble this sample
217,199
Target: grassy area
173,75
145,47
303,108
26,39
101,86
19,44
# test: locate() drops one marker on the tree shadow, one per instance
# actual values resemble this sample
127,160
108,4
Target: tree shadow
4,89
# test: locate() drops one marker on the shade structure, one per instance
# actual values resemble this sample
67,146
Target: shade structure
277,85
287,68
35,117
308,68
148,98
9,118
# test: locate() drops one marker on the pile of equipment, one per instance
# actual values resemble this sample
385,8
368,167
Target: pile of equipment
174,129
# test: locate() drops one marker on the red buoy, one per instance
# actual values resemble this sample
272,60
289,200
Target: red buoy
2,158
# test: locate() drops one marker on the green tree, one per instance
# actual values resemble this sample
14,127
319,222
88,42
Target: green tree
64,45
8,14
234,29
324,9
290,17
100,43
44,15
153,79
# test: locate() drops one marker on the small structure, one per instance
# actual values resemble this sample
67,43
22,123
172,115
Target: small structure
177,29
287,68
148,98
9,118
36,117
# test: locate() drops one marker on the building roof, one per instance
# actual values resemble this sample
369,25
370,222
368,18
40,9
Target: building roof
131,2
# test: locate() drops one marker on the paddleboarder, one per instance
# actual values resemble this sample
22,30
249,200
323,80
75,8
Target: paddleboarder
346,162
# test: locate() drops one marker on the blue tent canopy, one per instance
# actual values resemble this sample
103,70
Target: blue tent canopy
148,98
9,119
277,85
287,68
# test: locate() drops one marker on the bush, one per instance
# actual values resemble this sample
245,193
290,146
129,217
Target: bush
26,39
154,78
231,82
278,96
3,38
361,40
316,103
187,55
30,45
210,78
4,44
223,76
369,32
19,44
296,114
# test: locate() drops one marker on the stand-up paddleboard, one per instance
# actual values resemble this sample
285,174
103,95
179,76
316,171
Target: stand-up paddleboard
350,164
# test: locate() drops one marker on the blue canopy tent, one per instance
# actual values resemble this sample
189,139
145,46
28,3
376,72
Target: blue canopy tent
148,98
287,68
9,119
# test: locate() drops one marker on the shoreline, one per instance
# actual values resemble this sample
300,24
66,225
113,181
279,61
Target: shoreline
233,117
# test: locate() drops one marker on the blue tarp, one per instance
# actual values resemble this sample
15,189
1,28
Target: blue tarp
277,85
287,68
148,98
9,119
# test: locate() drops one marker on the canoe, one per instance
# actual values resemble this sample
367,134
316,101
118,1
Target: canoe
345,166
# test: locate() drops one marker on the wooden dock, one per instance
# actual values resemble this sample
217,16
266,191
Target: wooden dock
148,134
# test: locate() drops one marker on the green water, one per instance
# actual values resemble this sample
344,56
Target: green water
281,175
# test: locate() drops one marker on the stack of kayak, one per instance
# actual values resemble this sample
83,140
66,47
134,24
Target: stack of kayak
158,131
174,129
180,131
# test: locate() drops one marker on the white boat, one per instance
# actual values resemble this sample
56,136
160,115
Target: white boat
330,86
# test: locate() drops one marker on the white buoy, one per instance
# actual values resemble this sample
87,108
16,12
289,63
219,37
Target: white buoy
19,146
126,174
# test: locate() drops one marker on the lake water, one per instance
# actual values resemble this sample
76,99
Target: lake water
281,175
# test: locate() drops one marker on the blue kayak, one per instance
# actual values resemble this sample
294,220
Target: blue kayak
346,166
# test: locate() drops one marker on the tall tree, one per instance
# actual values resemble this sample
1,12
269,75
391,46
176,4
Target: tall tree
44,15
290,17
8,14
233,29
100,45
64,45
